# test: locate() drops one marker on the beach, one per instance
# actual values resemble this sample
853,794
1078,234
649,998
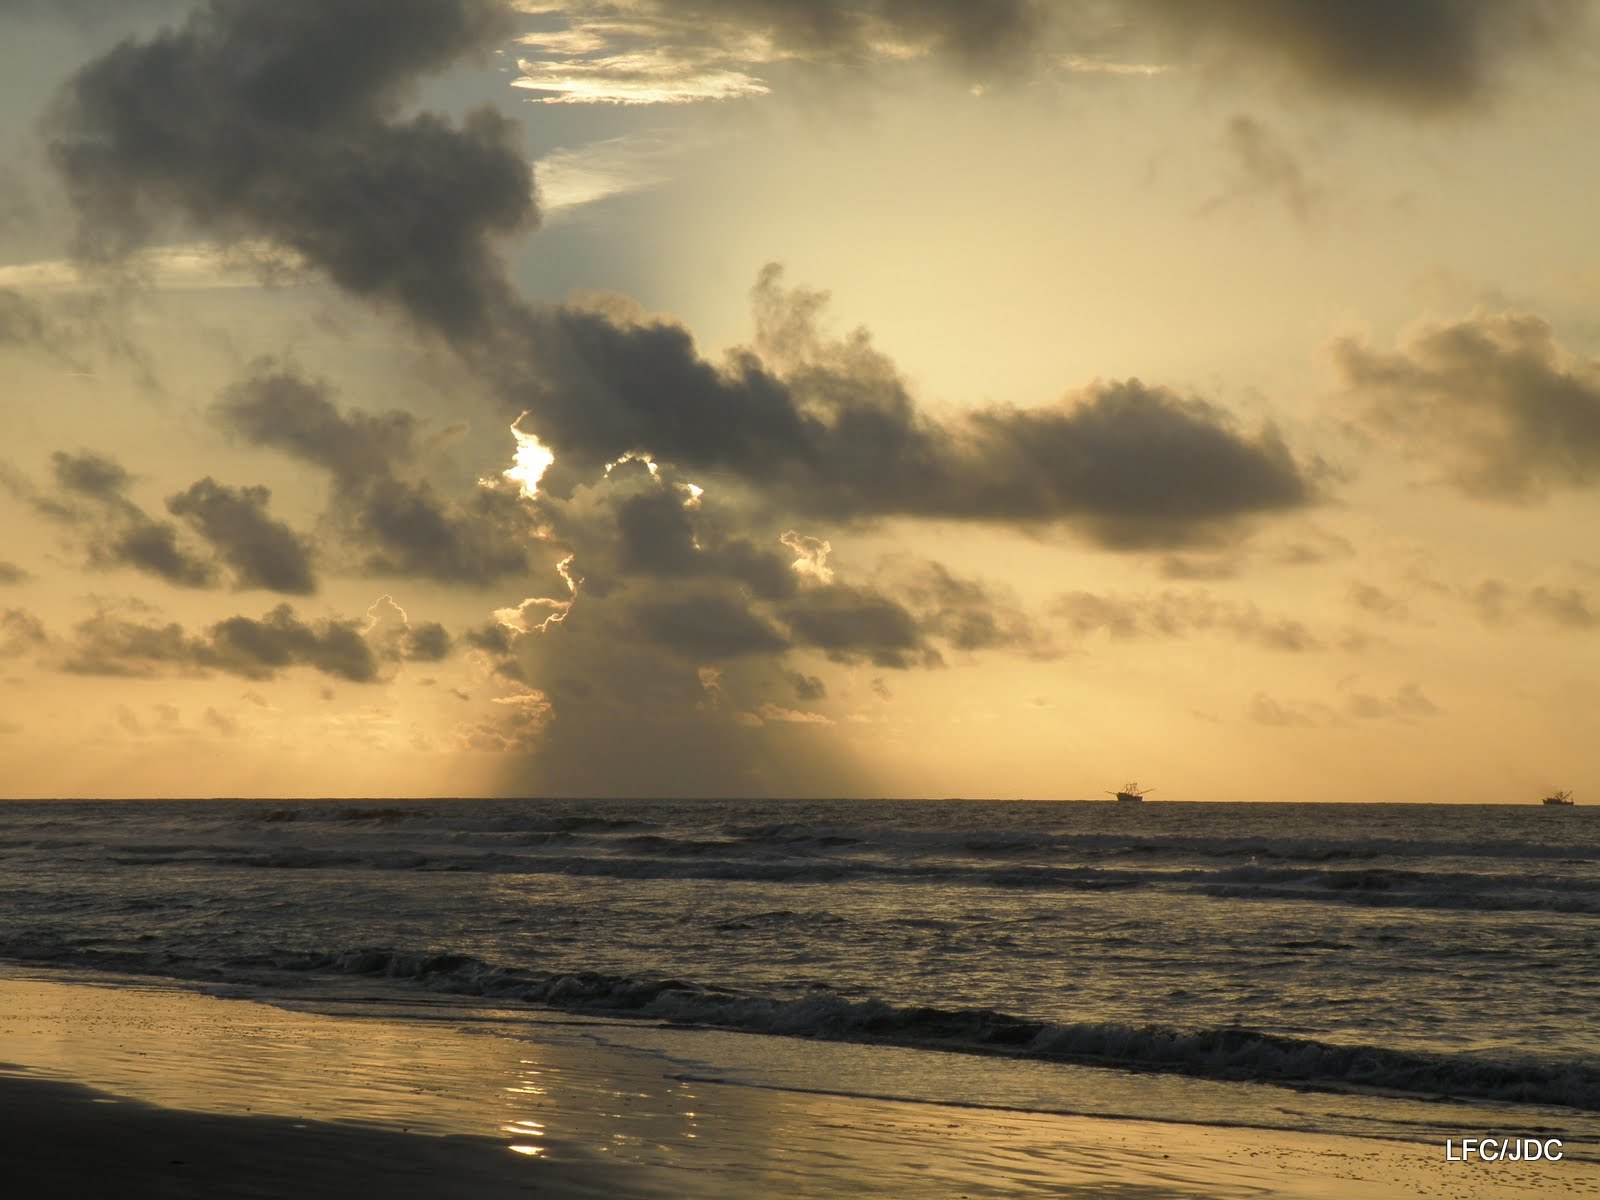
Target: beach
116,1085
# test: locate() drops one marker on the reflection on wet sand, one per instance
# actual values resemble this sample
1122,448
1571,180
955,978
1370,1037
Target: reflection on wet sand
512,1102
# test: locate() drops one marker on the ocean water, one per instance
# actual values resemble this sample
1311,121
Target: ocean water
1395,970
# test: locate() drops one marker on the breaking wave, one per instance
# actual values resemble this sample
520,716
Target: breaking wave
1231,1053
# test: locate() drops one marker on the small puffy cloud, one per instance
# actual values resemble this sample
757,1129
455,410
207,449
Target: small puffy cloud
262,552
10,573
807,687
90,497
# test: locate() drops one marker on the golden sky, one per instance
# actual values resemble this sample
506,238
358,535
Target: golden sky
995,398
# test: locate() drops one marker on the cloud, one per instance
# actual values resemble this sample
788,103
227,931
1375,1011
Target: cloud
1264,710
21,320
857,624
1173,614
1370,598
117,644
712,626
1492,401
20,632
827,428
654,547
1564,605
236,122
967,614
262,552
10,573
1263,166
790,716
569,179
1420,56
1408,702
404,211
389,631
807,687
90,497
684,51
383,506
198,266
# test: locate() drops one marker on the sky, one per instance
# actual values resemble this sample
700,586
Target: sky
981,398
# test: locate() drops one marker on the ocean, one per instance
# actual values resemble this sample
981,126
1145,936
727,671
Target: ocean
1407,971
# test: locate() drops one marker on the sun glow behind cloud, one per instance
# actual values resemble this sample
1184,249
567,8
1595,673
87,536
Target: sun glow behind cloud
530,461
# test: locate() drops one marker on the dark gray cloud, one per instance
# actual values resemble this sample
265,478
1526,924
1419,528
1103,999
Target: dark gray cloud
428,642
1492,401
263,143
90,497
711,577
87,12
1173,614
121,644
857,624
830,429
262,552
383,506
89,474
1424,56
708,627
152,547
261,118
10,573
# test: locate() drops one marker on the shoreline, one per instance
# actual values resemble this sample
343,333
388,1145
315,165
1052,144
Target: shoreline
159,1091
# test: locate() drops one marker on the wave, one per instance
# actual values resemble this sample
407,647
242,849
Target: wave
1238,1054
1234,1054
647,856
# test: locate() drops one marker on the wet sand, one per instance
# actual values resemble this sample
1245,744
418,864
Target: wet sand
139,1091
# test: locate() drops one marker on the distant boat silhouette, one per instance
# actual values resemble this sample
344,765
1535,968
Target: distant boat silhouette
1131,793
1562,798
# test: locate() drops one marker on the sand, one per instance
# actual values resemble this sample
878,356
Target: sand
117,1087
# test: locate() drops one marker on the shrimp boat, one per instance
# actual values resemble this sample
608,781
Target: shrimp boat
1562,799
1131,793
